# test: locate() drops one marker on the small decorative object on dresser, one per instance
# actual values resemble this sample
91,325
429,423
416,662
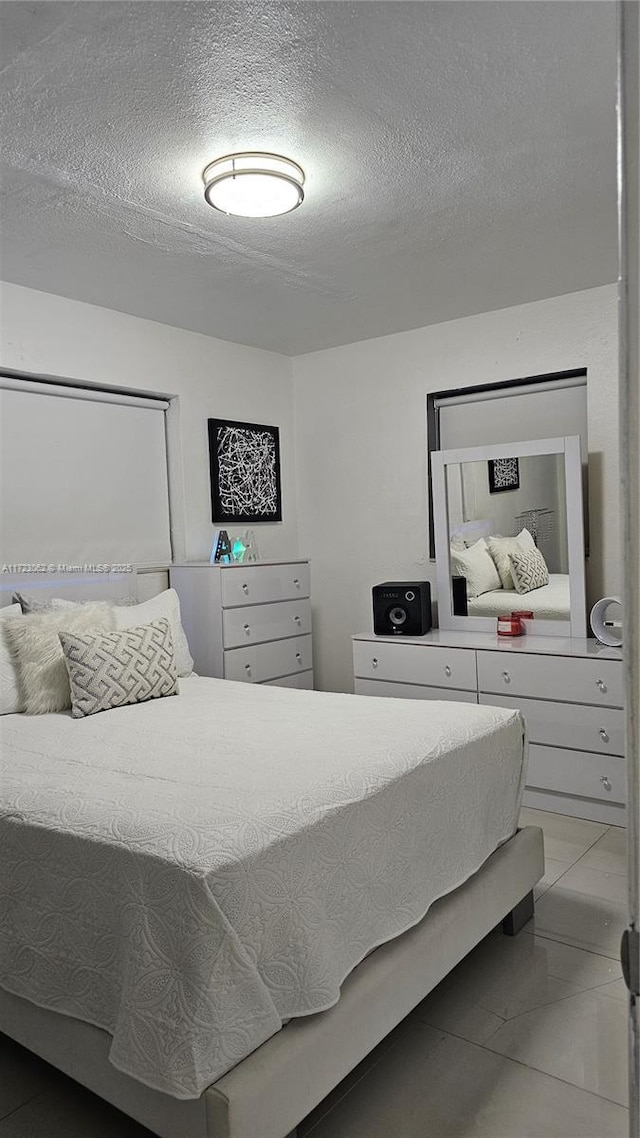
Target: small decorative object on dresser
606,621
509,624
248,622
570,694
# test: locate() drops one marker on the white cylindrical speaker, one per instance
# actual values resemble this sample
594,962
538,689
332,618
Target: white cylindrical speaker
606,621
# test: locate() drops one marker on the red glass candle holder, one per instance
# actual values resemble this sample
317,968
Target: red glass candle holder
509,625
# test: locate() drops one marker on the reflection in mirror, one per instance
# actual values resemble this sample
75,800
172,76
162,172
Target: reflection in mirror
497,511
509,535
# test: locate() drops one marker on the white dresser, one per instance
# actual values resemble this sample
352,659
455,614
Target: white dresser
248,622
569,691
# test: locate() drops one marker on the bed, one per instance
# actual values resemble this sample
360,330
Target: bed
550,602
218,903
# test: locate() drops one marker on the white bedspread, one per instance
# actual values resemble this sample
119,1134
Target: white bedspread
550,602
191,872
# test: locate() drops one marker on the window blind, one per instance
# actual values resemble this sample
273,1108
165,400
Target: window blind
83,476
541,411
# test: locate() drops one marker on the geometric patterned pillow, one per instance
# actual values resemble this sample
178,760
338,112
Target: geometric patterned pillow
111,669
529,570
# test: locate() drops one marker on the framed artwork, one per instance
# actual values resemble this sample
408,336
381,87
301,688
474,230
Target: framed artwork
244,461
504,474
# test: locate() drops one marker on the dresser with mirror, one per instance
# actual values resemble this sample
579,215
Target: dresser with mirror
503,513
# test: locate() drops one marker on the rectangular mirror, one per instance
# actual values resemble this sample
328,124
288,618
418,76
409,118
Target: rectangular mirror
509,535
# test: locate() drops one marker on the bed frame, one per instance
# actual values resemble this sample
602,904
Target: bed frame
274,1088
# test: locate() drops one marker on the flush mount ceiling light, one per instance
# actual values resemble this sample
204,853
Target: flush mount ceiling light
253,184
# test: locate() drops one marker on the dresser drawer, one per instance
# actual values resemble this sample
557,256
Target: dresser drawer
263,662
566,678
302,680
566,725
577,773
412,691
255,623
259,584
415,664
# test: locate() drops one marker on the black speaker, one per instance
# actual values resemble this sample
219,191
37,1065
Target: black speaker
401,608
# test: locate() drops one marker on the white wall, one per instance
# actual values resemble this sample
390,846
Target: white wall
360,427
361,445
50,335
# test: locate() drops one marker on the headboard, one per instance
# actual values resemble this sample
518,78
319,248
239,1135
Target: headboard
80,586
473,531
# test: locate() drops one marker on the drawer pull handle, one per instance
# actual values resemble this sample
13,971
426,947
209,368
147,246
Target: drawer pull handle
506,677
606,782
247,669
296,582
604,735
375,662
600,684
447,670
247,628
298,657
245,588
298,620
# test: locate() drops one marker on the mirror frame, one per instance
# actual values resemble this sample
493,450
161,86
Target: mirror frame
569,446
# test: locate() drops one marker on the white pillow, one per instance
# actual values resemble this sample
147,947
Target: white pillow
477,566
501,547
10,697
36,647
167,605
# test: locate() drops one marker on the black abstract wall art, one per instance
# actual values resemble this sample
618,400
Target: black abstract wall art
504,474
244,461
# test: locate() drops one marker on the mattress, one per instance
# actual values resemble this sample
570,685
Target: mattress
550,602
191,872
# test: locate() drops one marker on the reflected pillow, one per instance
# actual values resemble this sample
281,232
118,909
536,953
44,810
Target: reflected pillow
529,570
500,549
476,565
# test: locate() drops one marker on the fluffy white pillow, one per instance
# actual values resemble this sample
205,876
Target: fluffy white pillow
10,696
166,605
37,650
500,549
477,566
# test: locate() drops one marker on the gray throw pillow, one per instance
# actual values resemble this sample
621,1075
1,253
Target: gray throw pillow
112,669
529,570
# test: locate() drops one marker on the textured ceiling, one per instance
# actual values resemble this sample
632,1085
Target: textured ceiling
460,157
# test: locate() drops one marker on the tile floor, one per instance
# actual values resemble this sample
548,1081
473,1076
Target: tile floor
525,1039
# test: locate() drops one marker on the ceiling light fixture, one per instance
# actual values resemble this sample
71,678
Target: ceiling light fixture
253,184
